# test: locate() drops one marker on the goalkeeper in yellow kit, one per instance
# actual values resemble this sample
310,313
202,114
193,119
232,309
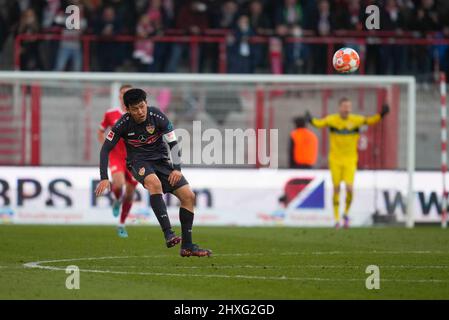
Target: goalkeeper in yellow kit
344,130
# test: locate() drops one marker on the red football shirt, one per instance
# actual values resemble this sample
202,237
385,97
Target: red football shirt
110,118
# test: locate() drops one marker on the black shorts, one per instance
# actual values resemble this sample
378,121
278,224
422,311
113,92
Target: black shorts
162,168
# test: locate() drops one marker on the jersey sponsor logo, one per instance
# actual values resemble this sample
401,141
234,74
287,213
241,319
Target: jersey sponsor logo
142,140
110,135
131,134
142,171
150,128
344,131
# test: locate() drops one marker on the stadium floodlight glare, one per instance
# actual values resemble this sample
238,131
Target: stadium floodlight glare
407,84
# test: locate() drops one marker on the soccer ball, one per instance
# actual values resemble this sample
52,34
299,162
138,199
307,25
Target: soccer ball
346,60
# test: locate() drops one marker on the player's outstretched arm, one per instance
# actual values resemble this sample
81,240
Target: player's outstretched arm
378,116
319,123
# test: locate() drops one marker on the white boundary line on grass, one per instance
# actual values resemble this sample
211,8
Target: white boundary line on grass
342,266
38,265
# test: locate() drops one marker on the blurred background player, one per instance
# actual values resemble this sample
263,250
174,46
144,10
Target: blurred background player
146,132
344,130
303,146
117,164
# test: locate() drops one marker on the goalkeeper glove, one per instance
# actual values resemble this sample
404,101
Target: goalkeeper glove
385,110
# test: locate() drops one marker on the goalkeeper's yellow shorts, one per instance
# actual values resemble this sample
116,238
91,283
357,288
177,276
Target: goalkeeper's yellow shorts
342,171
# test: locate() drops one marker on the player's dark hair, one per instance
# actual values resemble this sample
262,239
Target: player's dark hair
344,99
134,96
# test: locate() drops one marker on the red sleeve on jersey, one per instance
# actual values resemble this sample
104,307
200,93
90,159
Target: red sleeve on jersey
106,122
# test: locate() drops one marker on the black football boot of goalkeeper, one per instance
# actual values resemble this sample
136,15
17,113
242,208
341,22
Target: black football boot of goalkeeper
194,250
172,240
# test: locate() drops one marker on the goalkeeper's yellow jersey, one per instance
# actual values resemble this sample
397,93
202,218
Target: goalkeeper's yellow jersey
344,134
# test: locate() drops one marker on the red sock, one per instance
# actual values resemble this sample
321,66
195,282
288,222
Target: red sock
126,207
117,193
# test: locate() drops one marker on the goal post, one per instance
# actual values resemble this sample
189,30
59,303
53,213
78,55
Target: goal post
222,100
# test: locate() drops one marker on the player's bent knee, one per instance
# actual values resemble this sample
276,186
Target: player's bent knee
153,184
128,196
188,198
117,185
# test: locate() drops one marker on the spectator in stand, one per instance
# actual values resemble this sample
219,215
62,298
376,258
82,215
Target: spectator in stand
351,16
392,56
9,20
50,48
259,20
261,26
146,51
227,15
224,17
193,19
168,7
125,13
323,24
107,27
144,47
239,49
36,5
427,20
30,57
3,30
70,47
288,22
4,24
443,50
407,9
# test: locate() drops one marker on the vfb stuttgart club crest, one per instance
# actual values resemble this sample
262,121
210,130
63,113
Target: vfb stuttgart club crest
150,129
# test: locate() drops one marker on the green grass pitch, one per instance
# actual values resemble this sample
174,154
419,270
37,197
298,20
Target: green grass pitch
247,263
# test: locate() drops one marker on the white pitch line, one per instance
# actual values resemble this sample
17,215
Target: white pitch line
255,254
361,252
37,265
281,267
237,276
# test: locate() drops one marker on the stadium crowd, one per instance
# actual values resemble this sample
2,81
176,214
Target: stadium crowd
239,21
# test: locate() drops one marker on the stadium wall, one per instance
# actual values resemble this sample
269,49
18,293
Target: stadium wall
265,197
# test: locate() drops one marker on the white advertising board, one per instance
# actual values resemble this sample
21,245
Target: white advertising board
244,197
